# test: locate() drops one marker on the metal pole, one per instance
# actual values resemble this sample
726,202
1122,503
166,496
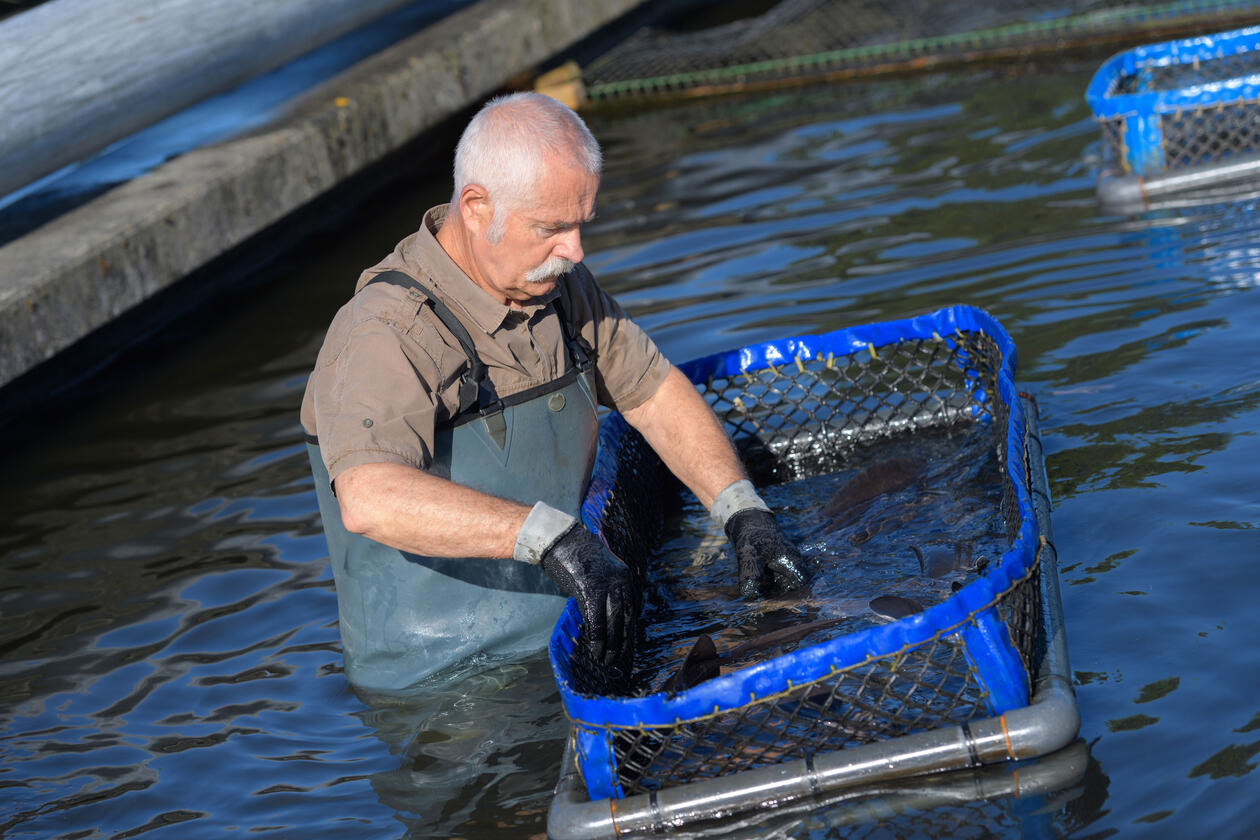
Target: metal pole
77,75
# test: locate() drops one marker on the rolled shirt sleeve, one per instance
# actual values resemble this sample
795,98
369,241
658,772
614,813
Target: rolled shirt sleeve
372,395
374,408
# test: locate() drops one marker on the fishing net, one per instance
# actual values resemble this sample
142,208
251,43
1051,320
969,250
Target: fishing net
812,39
797,408
1180,105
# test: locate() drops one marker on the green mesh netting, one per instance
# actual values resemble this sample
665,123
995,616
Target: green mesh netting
812,39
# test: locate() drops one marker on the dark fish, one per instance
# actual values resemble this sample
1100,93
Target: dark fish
701,663
894,606
848,503
782,636
941,560
938,562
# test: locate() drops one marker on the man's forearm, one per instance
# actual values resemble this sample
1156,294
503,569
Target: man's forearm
683,430
421,513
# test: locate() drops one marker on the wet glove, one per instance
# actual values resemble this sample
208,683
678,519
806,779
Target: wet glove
585,570
767,558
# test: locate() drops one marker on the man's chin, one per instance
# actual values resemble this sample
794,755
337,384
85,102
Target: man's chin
537,288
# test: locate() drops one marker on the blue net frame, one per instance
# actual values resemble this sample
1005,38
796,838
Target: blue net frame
798,407
1180,105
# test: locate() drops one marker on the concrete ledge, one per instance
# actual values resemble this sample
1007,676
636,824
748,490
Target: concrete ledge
86,268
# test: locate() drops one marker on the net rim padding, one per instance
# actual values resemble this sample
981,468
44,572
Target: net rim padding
1106,103
755,683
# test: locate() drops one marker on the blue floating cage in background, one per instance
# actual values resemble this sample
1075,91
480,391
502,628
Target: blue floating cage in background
1180,121
981,678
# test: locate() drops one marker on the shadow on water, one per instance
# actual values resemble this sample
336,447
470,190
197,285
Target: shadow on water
167,620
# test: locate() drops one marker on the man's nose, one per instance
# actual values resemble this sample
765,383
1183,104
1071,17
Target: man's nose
569,245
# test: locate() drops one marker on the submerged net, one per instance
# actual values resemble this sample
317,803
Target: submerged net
795,409
812,39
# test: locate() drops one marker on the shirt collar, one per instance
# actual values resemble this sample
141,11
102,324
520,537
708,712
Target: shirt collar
422,253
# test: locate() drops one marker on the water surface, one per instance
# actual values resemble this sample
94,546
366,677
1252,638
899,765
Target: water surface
170,661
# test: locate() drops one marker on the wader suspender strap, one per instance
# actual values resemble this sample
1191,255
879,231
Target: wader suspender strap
582,354
474,387
475,381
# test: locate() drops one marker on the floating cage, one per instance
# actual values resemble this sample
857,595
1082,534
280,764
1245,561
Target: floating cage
700,52
977,679
1180,120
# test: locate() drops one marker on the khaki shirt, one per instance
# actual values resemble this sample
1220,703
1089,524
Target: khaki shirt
388,372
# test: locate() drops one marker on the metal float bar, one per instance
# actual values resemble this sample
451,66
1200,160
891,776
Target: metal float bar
1043,776
1048,724
1134,193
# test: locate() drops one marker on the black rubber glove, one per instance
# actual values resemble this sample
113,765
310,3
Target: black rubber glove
767,558
601,584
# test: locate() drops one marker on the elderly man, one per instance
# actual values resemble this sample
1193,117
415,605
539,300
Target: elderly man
451,421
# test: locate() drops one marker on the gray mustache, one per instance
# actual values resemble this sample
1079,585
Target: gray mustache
553,267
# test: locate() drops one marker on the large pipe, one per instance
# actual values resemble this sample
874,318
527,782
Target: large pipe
572,816
77,75
1229,181
1046,725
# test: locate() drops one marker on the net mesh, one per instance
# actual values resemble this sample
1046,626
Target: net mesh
917,688
806,417
790,421
1190,137
1210,135
810,39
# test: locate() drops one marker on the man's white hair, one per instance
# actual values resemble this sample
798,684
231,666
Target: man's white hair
508,143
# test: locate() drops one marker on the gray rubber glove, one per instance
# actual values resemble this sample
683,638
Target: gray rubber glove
585,570
767,559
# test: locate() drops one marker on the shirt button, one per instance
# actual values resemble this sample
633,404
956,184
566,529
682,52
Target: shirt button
367,422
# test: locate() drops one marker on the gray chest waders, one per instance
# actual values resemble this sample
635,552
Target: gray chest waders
404,616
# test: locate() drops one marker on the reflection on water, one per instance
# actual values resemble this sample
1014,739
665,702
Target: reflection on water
470,749
168,627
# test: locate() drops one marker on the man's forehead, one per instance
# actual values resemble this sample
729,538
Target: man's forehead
565,209
544,216
562,196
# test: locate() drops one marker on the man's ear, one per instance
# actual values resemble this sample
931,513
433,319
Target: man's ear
475,209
